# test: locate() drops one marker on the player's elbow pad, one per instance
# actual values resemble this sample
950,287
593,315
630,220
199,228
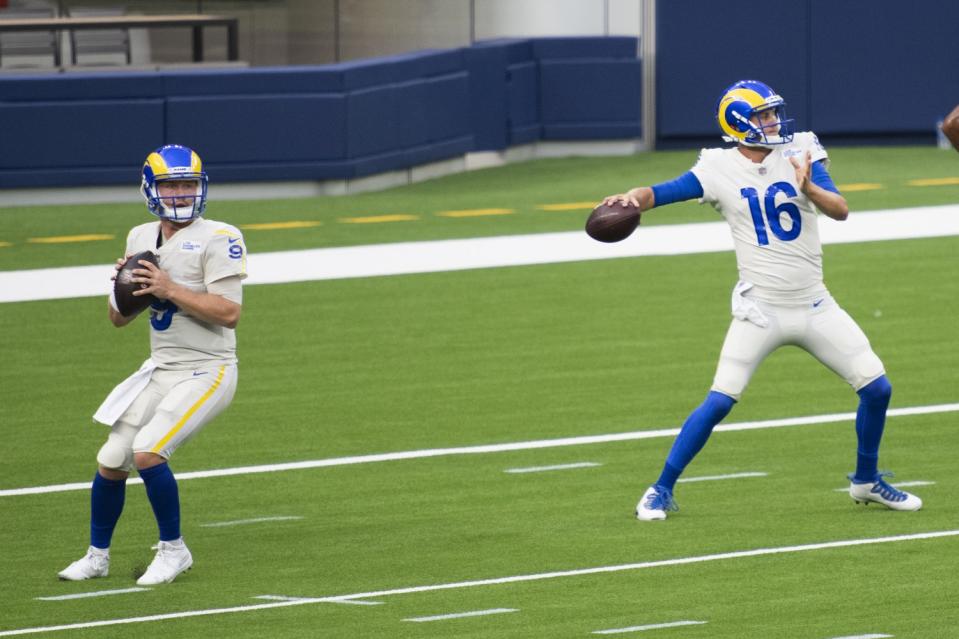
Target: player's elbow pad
685,187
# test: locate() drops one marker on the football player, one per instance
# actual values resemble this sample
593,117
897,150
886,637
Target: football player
191,374
950,127
769,188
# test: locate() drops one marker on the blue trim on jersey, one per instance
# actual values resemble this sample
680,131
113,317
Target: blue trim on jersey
685,187
821,177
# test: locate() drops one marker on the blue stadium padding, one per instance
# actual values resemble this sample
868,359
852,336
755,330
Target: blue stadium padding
257,80
703,46
318,122
259,128
486,66
523,123
595,47
82,133
80,86
880,87
584,99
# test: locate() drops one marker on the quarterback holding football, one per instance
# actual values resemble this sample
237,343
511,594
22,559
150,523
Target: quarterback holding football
192,278
769,188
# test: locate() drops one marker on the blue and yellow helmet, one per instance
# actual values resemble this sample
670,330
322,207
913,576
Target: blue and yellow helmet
743,100
174,163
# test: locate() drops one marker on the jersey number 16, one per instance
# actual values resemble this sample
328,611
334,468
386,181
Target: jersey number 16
773,212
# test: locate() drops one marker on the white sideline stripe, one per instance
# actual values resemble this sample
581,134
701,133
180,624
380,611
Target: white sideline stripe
98,593
540,469
654,626
240,522
898,484
402,258
489,582
866,637
311,600
458,615
492,448
720,477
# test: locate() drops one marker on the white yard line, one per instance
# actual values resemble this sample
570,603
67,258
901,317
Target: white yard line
722,477
242,522
654,626
866,637
758,552
460,615
543,469
358,602
517,250
492,448
97,593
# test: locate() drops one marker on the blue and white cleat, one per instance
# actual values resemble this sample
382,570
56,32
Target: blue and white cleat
654,503
881,492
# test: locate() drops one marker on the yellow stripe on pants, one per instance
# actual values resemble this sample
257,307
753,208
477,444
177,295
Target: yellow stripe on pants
183,420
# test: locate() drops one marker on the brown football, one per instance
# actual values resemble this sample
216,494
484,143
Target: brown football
612,223
127,303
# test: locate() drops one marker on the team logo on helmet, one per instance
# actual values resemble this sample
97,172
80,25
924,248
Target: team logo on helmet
174,163
747,99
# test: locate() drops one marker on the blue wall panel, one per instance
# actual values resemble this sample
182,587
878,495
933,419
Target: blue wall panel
319,122
259,128
703,46
865,81
82,133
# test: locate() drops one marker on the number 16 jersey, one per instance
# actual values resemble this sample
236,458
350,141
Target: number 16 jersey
773,223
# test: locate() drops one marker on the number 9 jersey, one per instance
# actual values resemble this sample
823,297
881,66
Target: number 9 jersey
773,223
197,256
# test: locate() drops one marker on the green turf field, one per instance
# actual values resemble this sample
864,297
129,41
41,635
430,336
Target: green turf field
458,359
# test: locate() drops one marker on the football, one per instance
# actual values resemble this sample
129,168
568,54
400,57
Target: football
612,223
127,303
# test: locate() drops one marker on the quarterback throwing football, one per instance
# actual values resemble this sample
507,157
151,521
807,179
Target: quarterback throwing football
769,188
191,374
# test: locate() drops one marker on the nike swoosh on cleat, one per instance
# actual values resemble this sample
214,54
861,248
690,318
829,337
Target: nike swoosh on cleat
817,303
198,373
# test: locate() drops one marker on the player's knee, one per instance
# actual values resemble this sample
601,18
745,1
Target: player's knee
877,391
144,460
115,455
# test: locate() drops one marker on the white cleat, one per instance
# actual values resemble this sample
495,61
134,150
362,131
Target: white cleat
96,563
172,558
654,503
880,492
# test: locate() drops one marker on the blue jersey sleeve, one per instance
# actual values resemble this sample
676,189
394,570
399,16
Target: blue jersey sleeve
685,187
821,177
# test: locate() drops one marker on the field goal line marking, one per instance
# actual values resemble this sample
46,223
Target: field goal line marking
740,554
494,448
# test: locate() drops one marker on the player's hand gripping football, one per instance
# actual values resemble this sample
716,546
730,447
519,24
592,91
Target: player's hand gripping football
157,282
803,172
119,265
634,197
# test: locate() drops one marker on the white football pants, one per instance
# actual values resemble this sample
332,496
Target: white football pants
172,408
825,331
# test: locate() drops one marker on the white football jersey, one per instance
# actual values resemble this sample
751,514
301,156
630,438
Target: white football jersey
773,223
196,256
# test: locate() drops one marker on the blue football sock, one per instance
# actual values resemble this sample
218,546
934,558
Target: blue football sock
106,504
870,422
692,437
164,498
